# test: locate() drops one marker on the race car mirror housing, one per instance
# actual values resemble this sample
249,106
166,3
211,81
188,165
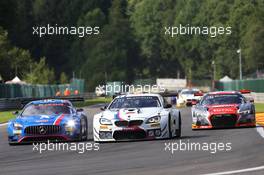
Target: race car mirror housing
251,100
15,113
80,110
194,102
103,108
168,106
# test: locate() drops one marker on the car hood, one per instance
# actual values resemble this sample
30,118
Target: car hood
226,108
132,113
43,119
187,96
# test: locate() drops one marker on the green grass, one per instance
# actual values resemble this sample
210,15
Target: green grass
259,107
93,101
5,116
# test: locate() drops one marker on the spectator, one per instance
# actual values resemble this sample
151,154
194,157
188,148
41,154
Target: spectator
67,92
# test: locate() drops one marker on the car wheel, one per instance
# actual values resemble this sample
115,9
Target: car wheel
85,132
12,144
83,129
178,131
169,126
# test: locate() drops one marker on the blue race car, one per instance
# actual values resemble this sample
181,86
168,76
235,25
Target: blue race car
42,120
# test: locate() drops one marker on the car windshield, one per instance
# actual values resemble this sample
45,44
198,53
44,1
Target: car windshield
46,109
135,102
188,92
222,99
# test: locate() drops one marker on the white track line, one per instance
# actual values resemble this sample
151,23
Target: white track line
260,130
3,124
238,171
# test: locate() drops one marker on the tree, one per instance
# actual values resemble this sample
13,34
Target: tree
13,60
63,78
40,73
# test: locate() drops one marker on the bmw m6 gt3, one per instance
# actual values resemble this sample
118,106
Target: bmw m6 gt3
137,117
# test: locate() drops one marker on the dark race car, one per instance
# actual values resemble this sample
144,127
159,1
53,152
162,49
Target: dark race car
223,109
55,120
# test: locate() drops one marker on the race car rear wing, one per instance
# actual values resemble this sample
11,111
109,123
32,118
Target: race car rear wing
245,91
198,94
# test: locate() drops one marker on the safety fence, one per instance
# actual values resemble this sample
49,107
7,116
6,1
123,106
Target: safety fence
256,85
39,91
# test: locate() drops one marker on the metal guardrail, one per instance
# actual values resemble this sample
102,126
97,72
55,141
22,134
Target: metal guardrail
89,95
18,103
8,104
258,97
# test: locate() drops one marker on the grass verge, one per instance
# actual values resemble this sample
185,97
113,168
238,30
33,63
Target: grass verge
259,107
94,101
5,116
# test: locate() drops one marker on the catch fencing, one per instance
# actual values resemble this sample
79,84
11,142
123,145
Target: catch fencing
256,85
39,91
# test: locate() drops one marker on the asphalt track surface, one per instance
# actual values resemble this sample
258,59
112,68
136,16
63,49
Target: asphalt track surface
141,157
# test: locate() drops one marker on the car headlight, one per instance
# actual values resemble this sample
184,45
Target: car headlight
245,112
104,121
18,126
155,119
70,123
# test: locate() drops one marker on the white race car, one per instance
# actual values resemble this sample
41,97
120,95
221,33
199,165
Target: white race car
137,117
187,97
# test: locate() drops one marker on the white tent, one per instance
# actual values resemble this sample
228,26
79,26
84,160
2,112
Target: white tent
15,80
225,79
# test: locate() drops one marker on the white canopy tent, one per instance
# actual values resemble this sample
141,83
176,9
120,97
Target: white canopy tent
225,79
15,80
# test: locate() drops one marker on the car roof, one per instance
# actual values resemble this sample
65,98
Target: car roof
223,92
139,95
190,90
50,101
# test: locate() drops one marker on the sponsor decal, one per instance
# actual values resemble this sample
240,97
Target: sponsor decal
58,120
42,121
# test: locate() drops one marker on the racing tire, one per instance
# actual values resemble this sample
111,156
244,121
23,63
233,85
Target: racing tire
178,131
169,127
83,130
12,144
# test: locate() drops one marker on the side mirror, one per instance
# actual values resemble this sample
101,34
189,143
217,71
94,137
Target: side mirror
168,106
195,102
79,110
103,108
15,113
